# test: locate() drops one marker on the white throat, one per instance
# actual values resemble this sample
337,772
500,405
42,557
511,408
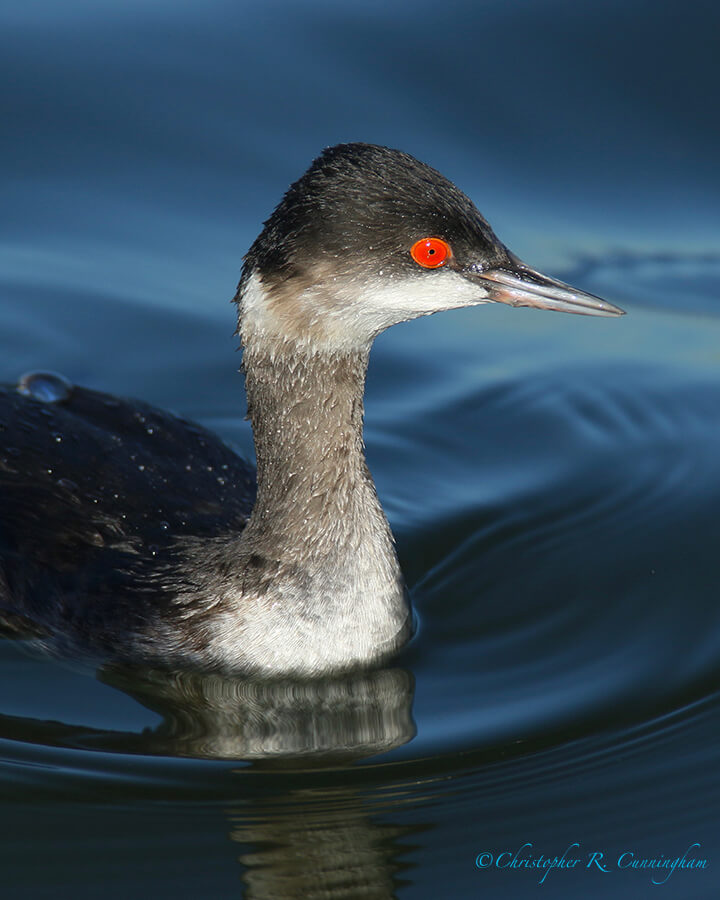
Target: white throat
335,315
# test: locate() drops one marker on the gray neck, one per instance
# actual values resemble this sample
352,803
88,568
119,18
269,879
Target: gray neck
317,558
316,499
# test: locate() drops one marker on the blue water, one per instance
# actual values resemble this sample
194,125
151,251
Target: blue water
553,481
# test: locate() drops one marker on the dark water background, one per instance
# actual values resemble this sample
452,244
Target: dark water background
553,481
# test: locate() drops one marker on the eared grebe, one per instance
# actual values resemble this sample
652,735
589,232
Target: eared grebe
134,536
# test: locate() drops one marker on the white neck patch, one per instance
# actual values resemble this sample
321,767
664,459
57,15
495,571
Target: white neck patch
347,316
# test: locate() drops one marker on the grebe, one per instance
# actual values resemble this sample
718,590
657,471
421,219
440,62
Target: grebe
134,536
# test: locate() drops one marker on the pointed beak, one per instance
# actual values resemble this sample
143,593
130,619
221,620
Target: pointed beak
523,286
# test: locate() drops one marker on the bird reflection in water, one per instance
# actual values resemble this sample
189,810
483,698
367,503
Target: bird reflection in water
304,831
307,722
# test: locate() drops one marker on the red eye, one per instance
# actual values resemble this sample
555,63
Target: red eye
430,252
